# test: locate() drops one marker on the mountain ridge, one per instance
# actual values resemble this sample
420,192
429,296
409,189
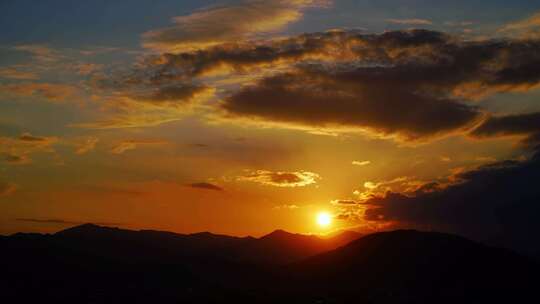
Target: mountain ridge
404,266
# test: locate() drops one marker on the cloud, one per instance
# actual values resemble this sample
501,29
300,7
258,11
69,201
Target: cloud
281,179
244,56
17,150
87,68
496,202
31,138
411,85
221,24
434,60
357,99
526,29
39,52
14,159
526,125
344,202
361,163
53,92
127,145
17,72
146,105
7,189
394,84
174,96
206,186
410,21
86,145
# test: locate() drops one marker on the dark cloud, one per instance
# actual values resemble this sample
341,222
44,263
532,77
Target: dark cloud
172,95
341,46
433,58
527,125
413,84
496,203
16,159
344,202
206,186
30,137
365,98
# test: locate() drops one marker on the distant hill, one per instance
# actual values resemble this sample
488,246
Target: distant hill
93,264
278,247
428,267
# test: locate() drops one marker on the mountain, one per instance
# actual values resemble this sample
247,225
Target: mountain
428,267
93,264
278,247
281,247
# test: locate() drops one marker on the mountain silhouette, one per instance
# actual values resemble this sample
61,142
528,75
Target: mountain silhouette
278,247
94,264
400,265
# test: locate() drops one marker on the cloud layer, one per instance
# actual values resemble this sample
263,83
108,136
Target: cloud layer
221,24
412,85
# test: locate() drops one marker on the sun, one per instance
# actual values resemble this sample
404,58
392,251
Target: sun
324,219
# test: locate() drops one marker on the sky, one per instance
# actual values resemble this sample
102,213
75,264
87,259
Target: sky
242,117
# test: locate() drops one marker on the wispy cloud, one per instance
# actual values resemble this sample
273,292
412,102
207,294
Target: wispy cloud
205,186
361,163
281,179
527,28
220,24
86,145
410,21
17,150
132,144
53,92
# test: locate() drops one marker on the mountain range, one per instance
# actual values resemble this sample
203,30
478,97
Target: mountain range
94,264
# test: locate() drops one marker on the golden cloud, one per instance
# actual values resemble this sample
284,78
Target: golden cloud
18,72
53,92
525,29
215,25
361,163
281,179
148,107
17,150
86,145
127,145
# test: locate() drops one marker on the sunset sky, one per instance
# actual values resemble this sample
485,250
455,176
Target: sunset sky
242,117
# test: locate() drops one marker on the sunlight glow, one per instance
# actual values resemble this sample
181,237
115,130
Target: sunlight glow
324,219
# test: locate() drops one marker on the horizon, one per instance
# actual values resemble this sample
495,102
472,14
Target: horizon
323,235
242,117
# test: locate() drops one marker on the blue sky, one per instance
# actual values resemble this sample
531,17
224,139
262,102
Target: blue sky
119,23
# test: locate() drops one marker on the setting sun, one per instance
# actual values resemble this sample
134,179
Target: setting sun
324,219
